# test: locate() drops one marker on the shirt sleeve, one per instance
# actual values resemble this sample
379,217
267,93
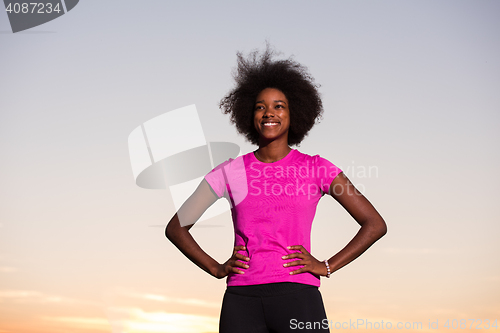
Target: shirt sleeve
326,172
216,179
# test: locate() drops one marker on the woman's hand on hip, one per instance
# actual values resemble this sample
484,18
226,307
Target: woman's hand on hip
311,264
233,264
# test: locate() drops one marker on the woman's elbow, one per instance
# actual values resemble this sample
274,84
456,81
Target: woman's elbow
175,231
380,228
171,228
376,227
168,232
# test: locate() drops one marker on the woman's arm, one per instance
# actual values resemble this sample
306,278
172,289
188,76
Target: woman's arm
177,231
373,227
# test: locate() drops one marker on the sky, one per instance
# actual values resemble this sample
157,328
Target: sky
412,116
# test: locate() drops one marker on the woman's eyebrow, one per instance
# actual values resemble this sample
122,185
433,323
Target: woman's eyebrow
277,101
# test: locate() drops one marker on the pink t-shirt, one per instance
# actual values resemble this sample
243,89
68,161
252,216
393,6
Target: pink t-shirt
273,206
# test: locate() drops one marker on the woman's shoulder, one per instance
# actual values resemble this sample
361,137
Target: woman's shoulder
317,161
311,158
232,164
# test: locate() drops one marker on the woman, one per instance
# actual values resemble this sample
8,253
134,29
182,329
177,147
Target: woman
272,278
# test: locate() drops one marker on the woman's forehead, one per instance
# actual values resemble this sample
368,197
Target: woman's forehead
271,94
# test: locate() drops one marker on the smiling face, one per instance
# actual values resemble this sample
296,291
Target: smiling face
272,115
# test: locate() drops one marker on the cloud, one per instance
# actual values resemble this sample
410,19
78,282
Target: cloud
81,322
492,278
136,320
165,299
30,296
19,294
419,251
185,301
6,269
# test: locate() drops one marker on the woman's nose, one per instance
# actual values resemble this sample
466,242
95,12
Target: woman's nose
268,112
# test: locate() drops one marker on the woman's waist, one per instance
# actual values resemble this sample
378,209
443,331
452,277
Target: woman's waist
267,261
273,275
270,248
268,289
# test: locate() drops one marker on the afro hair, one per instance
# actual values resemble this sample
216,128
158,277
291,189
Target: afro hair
260,71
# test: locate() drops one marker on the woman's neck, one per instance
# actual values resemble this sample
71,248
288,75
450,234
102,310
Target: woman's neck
272,152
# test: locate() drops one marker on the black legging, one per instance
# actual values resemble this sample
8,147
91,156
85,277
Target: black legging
273,308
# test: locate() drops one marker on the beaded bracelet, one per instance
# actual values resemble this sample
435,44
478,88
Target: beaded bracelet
327,268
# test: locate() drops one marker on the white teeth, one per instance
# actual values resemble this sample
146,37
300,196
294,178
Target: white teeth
270,124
